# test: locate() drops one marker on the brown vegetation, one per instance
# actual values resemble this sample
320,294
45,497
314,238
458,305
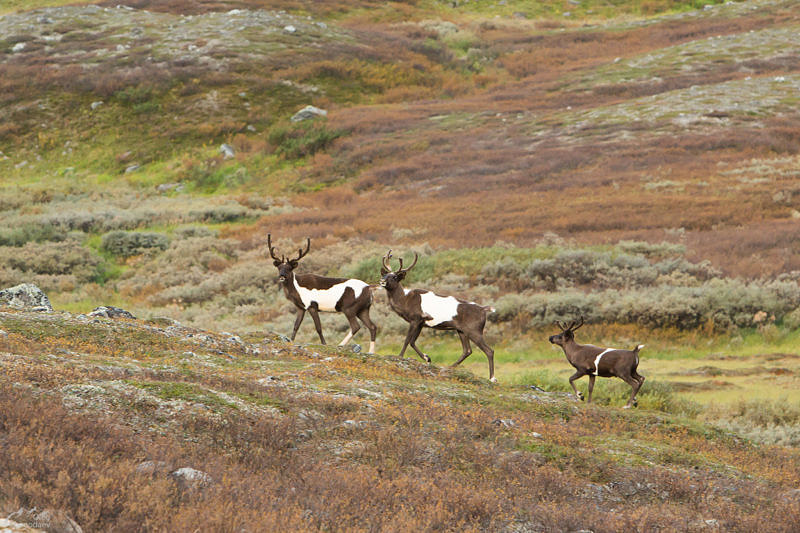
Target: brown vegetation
340,445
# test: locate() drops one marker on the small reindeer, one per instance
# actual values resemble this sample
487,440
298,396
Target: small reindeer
595,361
420,307
312,293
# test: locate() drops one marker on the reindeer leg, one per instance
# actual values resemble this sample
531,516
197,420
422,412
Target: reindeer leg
467,349
478,339
412,327
315,315
300,314
572,378
591,387
363,315
413,343
635,386
354,327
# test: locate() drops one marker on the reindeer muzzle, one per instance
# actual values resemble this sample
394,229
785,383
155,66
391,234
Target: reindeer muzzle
281,279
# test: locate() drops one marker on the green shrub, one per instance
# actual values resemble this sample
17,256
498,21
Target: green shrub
62,258
128,243
765,421
31,232
294,141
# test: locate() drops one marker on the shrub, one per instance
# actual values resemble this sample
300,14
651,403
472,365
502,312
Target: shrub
293,141
31,232
62,258
769,422
662,249
128,243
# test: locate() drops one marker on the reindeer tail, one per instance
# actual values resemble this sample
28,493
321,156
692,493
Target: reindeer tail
489,309
639,347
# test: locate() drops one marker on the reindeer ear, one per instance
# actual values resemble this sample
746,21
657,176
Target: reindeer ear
400,275
276,263
384,271
293,263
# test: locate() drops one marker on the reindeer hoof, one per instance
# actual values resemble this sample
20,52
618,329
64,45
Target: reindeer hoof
626,407
493,379
427,358
579,395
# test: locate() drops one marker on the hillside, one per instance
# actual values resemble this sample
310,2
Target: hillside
98,416
632,163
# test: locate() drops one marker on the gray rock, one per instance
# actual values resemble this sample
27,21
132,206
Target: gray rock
19,47
132,168
227,151
49,520
189,478
96,104
289,29
166,187
356,348
26,296
150,468
504,422
109,311
309,112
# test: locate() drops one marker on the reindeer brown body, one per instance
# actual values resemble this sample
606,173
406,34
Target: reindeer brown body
312,293
593,361
423,308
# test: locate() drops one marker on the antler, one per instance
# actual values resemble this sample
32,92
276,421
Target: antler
416,256
272,248
301,252
385,261
579,325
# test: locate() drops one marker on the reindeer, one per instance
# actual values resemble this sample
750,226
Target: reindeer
595,361
420,307
312,293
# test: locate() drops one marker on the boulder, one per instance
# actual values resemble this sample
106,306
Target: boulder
227,151
189,478
25,296
309,112
109,311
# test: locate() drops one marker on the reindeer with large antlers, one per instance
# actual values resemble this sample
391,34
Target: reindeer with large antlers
312,293
595,361
420,307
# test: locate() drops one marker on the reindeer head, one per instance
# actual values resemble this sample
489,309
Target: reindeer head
285,267
567,332
389,279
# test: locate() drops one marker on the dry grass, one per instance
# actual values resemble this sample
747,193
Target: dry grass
345,443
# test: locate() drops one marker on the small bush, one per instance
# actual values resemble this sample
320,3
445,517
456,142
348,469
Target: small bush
53,259
128,243
293,141
31,232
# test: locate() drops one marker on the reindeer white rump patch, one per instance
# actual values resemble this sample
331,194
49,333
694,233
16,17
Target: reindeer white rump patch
439,308
326,299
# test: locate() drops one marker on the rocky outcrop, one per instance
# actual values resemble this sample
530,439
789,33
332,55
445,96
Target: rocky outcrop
189,478
26,296
109,311
309,112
